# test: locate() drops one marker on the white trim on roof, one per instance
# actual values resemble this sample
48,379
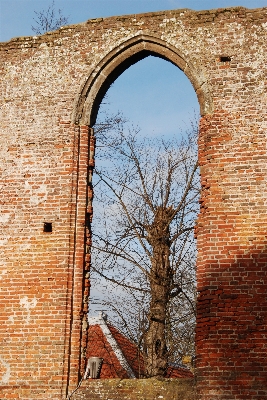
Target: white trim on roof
101,321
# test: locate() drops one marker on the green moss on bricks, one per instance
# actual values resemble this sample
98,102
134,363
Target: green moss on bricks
136,389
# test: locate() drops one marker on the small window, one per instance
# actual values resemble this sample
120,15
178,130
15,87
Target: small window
47,226
225,59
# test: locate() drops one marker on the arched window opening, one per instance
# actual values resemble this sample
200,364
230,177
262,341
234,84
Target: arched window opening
146,192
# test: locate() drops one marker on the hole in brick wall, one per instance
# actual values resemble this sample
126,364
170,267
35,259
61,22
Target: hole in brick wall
225,59
164,82
47,226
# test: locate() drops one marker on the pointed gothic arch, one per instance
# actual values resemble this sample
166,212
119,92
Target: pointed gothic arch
121,58
84,117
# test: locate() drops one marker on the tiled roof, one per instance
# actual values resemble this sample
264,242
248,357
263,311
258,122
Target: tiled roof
98,346
179,372
130,351
122,358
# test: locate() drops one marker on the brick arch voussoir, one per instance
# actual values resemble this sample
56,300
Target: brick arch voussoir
122,57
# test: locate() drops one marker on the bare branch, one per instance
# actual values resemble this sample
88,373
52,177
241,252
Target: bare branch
49,20
120,283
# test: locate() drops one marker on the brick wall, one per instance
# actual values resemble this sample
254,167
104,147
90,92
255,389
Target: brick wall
50,90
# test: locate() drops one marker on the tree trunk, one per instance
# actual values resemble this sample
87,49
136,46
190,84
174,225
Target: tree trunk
156,353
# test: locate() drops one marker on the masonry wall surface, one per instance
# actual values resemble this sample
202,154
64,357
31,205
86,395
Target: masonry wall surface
136,389
51,87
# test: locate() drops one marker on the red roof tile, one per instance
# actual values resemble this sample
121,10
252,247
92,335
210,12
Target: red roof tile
130,351
98,346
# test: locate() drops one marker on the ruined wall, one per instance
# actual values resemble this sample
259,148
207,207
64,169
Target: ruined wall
50,89
136,389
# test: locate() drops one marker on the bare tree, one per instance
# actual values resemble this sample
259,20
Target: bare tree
49,20
148,192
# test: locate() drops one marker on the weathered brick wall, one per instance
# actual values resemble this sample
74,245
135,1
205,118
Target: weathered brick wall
49,94
136,389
